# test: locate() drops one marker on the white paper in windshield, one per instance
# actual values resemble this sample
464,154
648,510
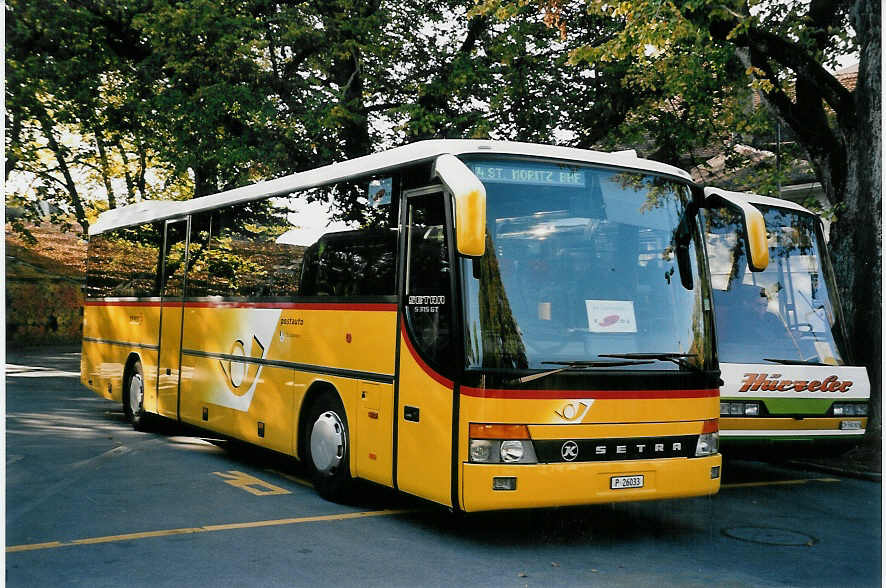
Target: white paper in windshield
611,316
825,352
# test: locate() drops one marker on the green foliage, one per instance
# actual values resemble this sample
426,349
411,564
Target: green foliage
161,99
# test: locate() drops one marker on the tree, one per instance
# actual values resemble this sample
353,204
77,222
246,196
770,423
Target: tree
72,99
168,99
44,100
683,56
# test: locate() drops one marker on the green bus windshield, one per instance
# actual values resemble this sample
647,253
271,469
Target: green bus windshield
786,312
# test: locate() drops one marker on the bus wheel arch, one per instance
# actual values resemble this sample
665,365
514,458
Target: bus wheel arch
325,441
133,394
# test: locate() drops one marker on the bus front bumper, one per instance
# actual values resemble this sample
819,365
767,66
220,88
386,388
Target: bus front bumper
780,437
560,484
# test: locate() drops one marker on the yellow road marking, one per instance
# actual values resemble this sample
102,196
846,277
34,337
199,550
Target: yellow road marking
250,483
778,483
291,478
34,546
205,529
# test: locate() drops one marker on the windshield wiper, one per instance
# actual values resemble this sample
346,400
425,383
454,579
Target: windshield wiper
567,365
793,361
677,358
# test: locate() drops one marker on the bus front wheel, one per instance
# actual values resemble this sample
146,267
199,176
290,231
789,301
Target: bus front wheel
327,448
134,397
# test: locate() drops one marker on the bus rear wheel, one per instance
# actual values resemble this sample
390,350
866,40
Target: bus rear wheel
327,448
134,397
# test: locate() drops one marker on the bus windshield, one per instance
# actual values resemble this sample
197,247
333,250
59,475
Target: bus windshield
581,263
784,314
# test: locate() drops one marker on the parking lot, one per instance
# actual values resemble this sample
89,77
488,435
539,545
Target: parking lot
91,502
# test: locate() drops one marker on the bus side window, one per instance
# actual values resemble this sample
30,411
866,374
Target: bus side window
123,262
351,263
199,282
246,256
428,277
309,269
174,257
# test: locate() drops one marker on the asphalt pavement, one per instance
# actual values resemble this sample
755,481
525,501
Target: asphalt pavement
90,502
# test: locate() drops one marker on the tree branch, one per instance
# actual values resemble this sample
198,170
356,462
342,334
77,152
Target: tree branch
796,58
787,53
47,125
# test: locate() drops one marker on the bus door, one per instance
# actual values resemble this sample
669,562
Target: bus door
425,396
175,253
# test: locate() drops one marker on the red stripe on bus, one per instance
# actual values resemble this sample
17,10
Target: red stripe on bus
368,306
120,303
582,394
439,378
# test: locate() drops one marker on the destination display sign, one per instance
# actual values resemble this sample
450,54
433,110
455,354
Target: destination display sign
536,175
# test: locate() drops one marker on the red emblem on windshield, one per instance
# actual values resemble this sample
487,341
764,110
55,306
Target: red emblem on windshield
609,320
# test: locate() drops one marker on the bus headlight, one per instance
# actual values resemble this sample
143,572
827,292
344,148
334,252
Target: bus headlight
483,451
511,451
708,444
518,452
850,409
728,408
500,444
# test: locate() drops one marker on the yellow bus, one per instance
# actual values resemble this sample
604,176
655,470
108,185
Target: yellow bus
485,325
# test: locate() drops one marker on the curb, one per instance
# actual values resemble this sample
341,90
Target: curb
861,475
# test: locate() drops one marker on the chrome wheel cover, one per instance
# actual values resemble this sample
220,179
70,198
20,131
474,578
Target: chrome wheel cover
136,393
328,440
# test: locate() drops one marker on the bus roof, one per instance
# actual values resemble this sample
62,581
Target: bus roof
751,198
376,163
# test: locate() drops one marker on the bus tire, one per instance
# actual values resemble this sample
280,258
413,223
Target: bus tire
327,448
134,397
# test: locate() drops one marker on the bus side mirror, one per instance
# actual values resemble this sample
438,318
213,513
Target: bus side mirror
753,225
469,194
682,238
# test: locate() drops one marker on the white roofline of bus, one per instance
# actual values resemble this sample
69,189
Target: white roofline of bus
751,198
375,163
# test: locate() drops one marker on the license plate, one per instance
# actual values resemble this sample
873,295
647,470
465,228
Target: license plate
850,425
622,482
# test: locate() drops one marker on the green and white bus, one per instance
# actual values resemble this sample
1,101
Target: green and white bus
788,378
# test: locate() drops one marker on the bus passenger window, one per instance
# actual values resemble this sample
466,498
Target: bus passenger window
123,262
174,258
245,256
428,277
199,279
351,263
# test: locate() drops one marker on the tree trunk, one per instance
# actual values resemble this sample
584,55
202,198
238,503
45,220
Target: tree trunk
205,179
140,183
106,170
47,125
130,186
856,237
354,124
13,137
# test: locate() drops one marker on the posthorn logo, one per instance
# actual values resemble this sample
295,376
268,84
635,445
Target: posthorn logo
569,451
574,412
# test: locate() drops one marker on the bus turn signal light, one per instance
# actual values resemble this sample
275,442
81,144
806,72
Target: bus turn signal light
489,431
